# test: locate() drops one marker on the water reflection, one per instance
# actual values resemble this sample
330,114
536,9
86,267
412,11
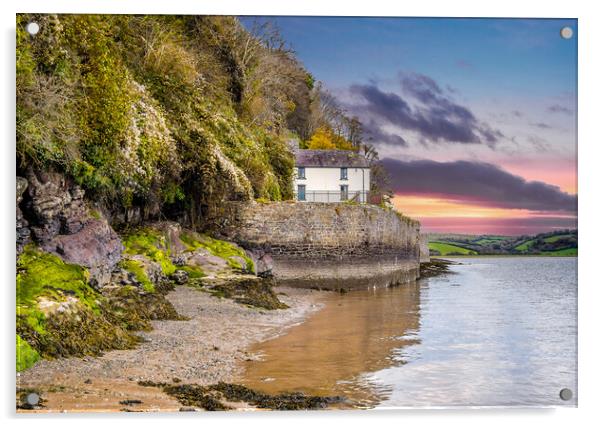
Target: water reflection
354,333
497,332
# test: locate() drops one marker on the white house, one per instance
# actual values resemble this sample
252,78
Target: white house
331,176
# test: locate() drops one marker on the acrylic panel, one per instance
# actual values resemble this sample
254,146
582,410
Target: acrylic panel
291,213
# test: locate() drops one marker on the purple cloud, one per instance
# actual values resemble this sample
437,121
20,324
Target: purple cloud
374,133
541,125
482,183
556,108
434,115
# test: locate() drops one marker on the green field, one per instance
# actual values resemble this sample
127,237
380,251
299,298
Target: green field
553,239
447,249
562,252
525,245
489,240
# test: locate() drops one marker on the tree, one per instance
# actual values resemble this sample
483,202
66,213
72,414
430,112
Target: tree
321,140
380,180
326,139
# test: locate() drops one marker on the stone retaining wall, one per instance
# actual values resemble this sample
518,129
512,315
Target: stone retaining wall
338,245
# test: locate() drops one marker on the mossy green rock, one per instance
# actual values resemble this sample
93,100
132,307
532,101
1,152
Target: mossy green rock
152,244
26,355
234,256
59,314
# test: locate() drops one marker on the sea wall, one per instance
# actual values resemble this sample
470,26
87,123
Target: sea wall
424,249
326,245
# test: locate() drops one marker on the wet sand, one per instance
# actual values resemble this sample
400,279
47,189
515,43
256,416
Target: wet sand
329,354
212,346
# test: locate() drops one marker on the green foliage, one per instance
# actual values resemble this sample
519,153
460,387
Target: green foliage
406,219
152,244
150,111
26,355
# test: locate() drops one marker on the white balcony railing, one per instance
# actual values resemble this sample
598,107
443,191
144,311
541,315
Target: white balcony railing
332,196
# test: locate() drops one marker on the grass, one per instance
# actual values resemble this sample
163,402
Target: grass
525,245
562,252
553,239
489,240
448,249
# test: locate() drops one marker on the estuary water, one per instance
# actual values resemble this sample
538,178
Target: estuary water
493,332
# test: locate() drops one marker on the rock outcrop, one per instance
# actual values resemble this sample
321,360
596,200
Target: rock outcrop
56,205
59,221
95,246
23,233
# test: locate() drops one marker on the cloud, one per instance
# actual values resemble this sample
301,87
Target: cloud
556,108
426,109
540,144
476,182
541,125
516,113
374,133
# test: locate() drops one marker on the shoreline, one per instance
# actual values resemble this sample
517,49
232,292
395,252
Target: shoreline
211,346
503,256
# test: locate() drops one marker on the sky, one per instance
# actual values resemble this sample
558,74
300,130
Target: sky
475,119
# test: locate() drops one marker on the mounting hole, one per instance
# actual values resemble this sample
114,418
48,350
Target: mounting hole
33,399
566,394
566,33
32,28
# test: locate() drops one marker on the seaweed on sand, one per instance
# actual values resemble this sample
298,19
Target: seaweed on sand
252,291
212,397
435,267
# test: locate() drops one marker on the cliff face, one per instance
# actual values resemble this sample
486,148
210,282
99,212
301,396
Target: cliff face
338,245
51,211
82,288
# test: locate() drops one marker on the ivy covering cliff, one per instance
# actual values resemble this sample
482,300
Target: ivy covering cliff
169,114
159,112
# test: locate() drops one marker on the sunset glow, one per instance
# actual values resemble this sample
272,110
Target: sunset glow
476,126
438,214
430,207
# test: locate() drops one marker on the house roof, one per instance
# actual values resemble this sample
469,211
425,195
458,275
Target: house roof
330,158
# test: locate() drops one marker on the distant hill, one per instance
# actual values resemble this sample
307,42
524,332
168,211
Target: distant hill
556,243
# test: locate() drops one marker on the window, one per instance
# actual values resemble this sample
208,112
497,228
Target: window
344,173
300,173
301,193
344,192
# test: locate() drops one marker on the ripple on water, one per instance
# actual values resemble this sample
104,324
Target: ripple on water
500,331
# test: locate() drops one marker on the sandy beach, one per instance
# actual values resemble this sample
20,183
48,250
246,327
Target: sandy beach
209,347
